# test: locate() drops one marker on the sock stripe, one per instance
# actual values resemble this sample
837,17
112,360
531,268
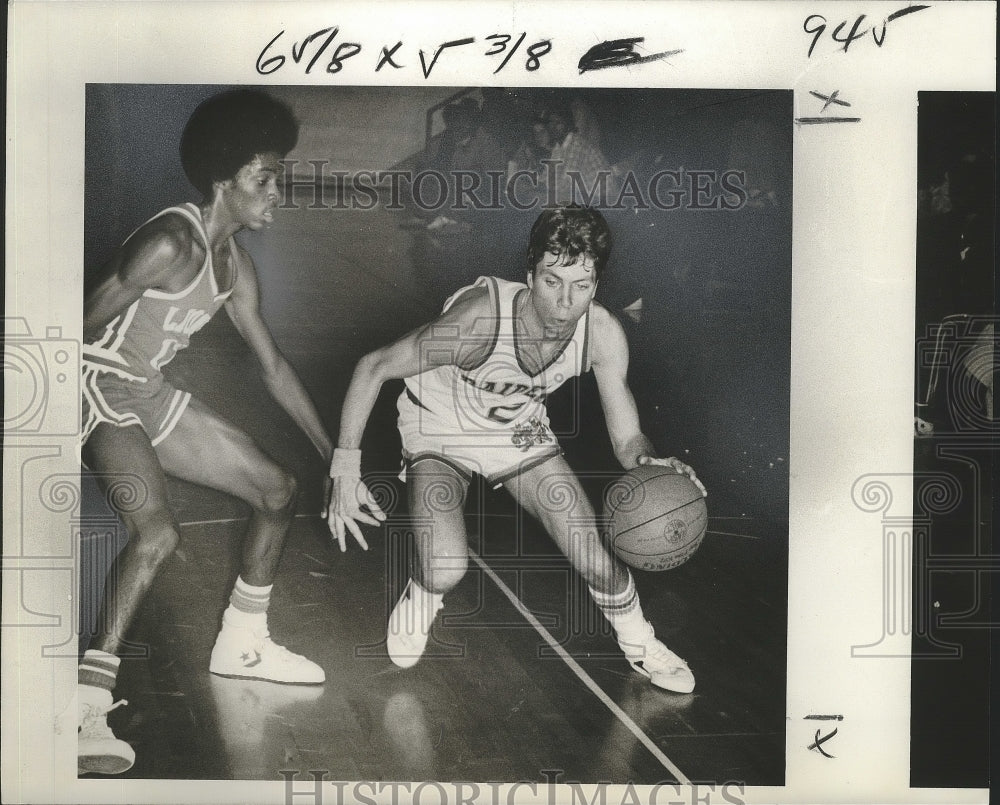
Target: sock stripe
620,608
96,680
250,599
244,605
254,601
617,599
252,596
251,589
99,666
98,672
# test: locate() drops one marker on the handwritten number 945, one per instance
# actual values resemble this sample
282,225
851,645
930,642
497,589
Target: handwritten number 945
816,24
535,51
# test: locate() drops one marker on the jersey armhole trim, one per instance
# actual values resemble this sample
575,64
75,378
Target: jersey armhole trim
494,291
190,211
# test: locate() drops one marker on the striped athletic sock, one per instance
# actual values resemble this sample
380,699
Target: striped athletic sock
248,604
99,669
623,611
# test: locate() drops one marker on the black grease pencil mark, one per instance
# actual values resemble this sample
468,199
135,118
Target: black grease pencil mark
818,743
810,121
453,44
823,718
828,99
387,55
903,12
508,57
618,53
817,24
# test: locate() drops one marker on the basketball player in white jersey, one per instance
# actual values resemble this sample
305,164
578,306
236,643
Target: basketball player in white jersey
476,381
167,280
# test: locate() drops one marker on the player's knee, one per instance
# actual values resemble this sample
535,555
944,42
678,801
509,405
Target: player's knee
154,540
278,491
438,495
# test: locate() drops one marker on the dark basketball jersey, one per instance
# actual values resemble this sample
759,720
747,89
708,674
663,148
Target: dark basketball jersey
143,339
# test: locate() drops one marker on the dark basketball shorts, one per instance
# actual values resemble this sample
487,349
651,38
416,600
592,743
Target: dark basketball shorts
151,402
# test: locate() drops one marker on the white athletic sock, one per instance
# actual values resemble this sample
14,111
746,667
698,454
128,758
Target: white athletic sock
624,613
99,669
248,606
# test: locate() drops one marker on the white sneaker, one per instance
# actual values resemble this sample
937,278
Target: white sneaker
665,669
98,750
410,625
244,653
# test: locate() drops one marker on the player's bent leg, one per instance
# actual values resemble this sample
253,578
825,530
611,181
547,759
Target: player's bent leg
206,449
437,495
128,471
552,493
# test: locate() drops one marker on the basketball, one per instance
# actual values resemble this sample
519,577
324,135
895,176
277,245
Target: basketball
656,518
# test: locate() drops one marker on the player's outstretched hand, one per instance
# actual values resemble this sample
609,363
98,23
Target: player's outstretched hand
348,498
678,466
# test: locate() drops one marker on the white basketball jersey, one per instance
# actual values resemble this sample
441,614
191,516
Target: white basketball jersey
500,391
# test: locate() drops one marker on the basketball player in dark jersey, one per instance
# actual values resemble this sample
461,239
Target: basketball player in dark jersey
476,380
167,280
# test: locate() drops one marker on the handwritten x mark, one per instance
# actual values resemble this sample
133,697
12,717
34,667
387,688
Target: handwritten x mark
832,98
817,744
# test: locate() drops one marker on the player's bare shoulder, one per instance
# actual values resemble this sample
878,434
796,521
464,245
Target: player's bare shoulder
610,345
468,311
465,321
165,253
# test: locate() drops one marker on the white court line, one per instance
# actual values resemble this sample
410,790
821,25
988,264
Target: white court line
731,534
232,520
301,516
622,716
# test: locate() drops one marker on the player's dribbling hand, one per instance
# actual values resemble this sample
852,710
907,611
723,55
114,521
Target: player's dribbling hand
678,466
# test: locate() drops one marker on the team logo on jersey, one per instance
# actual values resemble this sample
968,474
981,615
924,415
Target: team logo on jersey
536,393
530,433
192,321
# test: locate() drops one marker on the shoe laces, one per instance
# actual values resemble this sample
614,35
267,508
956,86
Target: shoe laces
275,650
93,721
659,654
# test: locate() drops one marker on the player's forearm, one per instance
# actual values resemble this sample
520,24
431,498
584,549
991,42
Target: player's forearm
358,402
286,387
630,450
